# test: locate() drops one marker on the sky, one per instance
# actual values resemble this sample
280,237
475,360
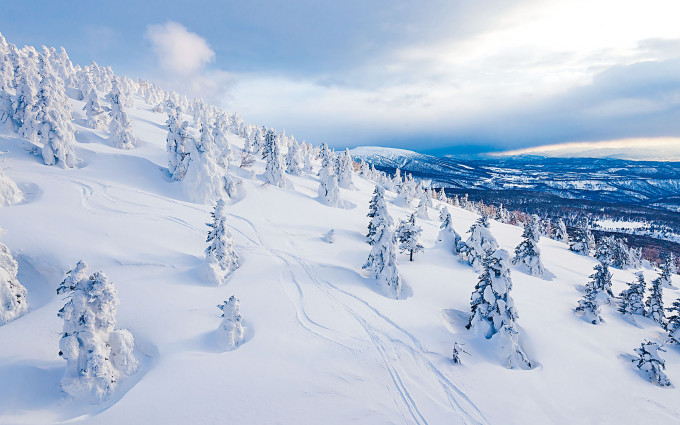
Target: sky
440,76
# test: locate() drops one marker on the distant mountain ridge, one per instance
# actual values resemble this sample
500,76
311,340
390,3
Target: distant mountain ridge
649,183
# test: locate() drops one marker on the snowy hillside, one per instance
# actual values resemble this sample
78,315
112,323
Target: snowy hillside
322,343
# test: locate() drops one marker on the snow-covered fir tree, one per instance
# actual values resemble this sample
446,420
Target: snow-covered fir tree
457,351
527,253
329,237
346,169
425,201
98,356
273,173
632,298
10,194
654,305
120,128
479,244
560,232
220,255
178,145
230,332
328,185
293,160
597,293
673,324
581,240
382,260
54,129
96,114
650,363
493,311
448,237
13,302
307,154
23,108
408,235
668,268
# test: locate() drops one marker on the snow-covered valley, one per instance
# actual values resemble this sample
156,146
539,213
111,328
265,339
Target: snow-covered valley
322,343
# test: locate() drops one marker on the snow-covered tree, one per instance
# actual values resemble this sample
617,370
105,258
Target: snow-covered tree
581,241
457,351
422,206
345,171
448,236
668,268
293,160
329,236
98,357
96,114
53,119
560,232
654,304
13,302
382,261
597,294
220,255
493,310
23,108
10,194
651,363
632,298
230,332
178,145
673,324
527,253
479,244
120,127
307,158
408,235
273,173
328,185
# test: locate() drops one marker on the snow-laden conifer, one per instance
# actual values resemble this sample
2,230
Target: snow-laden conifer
597,293
651,364
581,240
10,194
328,185
98,356
54,129
230,332
654,304
560,232
220,255
97,116
293,159
493,310
673,324
448,237
408,235
668,268
479,244
273,173
632,298
120,127
382,260
346,170
527,253
178,146
13,302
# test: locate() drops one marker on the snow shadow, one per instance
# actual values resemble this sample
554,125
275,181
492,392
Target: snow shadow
38,287
343,276
24,386
31,191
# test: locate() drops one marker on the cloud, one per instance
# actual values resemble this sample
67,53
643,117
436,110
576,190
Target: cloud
178,50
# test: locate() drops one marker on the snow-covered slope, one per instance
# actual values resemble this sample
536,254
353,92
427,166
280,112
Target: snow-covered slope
322,344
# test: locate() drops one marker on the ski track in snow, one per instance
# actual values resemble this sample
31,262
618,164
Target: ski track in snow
393,344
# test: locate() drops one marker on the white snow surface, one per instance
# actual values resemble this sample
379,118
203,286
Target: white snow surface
321,344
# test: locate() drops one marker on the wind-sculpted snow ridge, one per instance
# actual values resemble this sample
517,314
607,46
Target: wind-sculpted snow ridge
309,337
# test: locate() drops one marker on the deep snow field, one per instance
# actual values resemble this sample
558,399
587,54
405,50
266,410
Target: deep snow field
323,345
